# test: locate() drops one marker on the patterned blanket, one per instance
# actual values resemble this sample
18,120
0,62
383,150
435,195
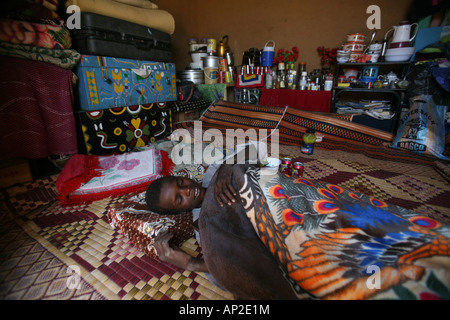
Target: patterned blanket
335,243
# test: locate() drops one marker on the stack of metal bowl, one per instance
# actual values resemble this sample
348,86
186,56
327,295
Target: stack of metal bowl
196,76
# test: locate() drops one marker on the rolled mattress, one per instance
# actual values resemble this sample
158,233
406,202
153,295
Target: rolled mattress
152,18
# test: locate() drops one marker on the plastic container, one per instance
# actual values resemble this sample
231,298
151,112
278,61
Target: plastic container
211,69
309,138
268,54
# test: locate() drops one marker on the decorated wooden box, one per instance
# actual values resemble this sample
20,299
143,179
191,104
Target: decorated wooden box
120,129
108,82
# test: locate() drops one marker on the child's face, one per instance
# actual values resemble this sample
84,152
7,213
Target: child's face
181,194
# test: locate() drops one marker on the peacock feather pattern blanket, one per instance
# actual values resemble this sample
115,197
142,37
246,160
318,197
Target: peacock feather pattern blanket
335,243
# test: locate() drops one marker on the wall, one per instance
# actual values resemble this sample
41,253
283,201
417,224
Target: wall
251,23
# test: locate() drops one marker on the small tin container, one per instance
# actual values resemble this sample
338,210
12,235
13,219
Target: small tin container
223,65
228,77
211,46
297,169
221,77
286,166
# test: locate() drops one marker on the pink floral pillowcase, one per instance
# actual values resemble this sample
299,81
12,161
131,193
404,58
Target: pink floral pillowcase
124,171
88,178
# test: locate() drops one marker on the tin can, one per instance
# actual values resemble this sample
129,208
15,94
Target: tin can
223,65
297,169
228,77
286,166
221,76
211,46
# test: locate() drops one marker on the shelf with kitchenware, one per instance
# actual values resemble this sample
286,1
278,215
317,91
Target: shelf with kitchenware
374,83
379,68
371,76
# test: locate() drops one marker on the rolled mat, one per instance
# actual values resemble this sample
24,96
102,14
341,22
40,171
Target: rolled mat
290,122
153,18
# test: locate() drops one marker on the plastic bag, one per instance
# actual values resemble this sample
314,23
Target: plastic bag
423,82
423,128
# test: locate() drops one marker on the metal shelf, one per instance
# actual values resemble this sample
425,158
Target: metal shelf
394,93
368,90
362,64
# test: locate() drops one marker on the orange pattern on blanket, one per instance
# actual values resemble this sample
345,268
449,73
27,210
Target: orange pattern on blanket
316,274
338,235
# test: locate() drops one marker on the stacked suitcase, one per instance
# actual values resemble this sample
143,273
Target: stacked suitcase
125,84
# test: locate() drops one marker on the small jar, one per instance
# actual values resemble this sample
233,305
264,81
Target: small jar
309,138
301,67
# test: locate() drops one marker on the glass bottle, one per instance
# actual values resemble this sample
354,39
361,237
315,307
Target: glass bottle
302,84
269,79
301,67
281,76
316,79
308,142
291,77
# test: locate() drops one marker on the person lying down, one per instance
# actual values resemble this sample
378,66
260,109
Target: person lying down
175,195
277,237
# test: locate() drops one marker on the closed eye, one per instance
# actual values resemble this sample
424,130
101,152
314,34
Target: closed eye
179,199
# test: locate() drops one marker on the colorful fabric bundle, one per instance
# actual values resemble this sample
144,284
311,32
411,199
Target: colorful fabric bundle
212,92
64,58
249,81
40,11
35,34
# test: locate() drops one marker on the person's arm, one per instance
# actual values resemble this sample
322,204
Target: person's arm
176,256
223,186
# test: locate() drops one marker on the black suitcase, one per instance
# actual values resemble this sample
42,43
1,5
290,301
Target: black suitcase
106,36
